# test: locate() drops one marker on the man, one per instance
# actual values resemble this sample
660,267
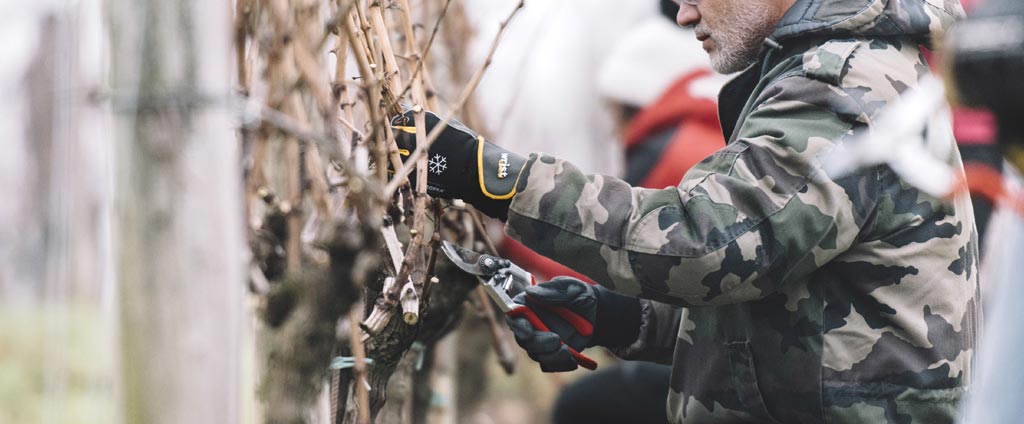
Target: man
779,293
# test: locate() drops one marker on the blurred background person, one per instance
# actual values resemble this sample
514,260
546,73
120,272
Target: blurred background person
975,132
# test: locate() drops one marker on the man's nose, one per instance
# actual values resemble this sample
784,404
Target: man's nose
688,15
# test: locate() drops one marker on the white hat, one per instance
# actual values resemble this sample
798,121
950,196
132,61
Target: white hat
648,60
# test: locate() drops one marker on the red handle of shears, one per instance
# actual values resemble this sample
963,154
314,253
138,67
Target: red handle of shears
526,312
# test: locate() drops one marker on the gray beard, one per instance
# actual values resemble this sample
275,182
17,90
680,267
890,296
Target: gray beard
728,64
739,44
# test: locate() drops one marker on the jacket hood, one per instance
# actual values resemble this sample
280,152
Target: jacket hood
920,19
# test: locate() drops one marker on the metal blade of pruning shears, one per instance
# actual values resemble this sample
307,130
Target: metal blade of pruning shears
465,259
501,279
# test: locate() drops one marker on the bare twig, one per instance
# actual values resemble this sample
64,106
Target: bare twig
392,75
309,70
293,245
339,88
482,232
364,27
506,356
290,126
293,128
434,249
362,59
394,247
243,10
410,303
359,354
418,56
351,127
380,315
318,180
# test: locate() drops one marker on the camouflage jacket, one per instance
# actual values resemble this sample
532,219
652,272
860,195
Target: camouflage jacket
781,293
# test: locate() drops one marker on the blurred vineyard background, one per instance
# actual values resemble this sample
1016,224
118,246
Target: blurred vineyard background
128,266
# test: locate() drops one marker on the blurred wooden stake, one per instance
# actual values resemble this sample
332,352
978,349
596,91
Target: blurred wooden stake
180,273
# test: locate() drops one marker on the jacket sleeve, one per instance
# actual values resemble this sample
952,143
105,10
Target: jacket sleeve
754,216
659,329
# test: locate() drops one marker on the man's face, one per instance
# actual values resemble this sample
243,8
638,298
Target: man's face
732,31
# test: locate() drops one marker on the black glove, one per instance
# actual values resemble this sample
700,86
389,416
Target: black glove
462,165
600,317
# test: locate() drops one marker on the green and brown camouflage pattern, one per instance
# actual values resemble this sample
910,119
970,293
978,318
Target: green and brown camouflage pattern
799,296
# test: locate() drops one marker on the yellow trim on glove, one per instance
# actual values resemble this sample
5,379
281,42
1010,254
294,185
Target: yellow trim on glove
480,172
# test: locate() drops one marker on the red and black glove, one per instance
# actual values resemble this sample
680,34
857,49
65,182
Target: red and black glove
462,165
572,316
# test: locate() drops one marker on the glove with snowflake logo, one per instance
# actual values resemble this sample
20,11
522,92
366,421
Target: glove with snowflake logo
462,165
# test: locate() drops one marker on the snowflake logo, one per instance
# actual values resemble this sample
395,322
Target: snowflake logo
438,164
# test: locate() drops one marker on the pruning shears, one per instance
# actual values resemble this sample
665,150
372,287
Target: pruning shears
503,280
